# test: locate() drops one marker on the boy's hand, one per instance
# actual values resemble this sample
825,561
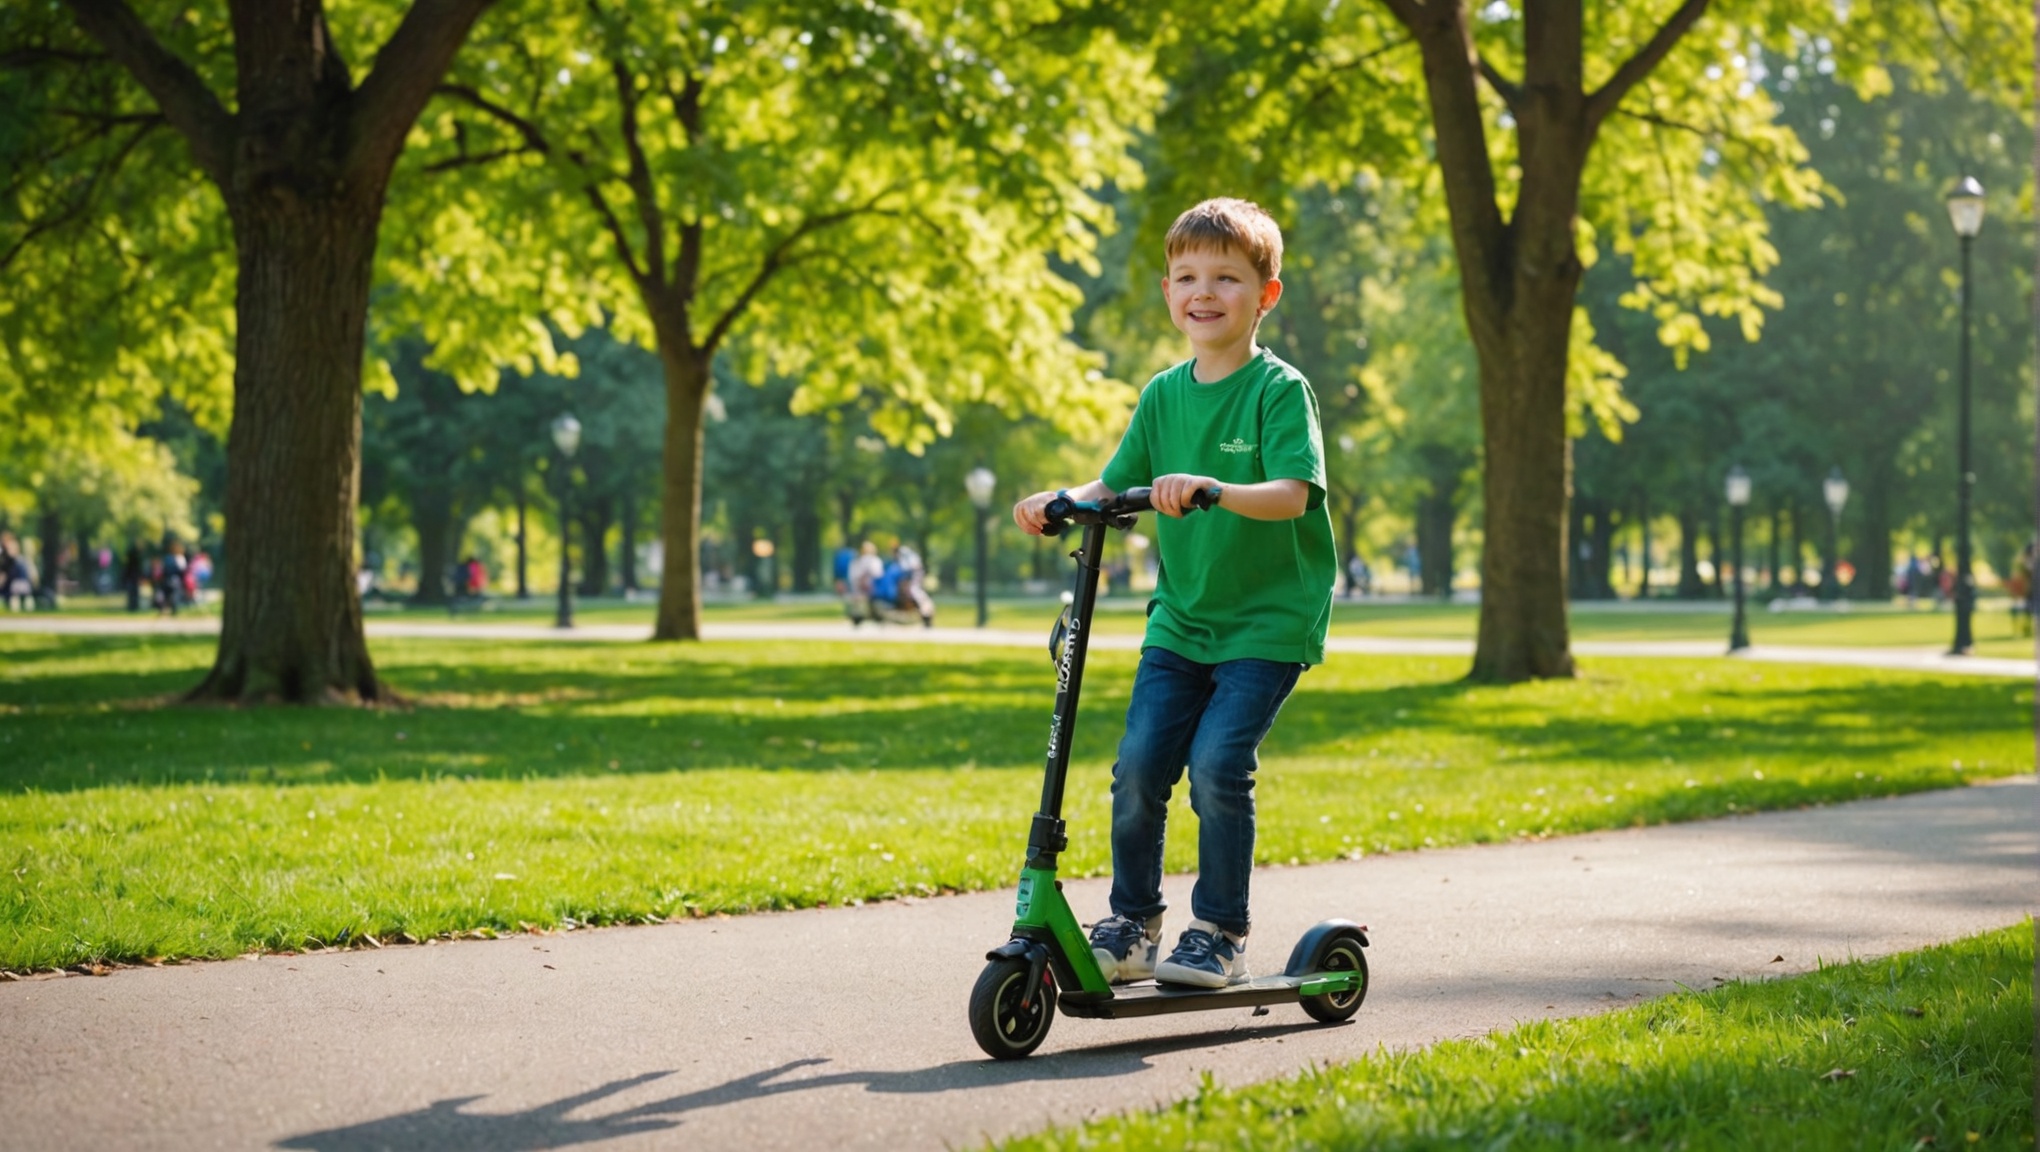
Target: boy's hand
1031,513
1171,493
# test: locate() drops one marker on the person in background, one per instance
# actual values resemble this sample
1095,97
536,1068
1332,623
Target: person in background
172,569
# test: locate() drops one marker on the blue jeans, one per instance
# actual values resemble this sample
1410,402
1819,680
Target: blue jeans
1210,717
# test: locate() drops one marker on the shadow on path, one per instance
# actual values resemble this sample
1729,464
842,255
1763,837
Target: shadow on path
444,1126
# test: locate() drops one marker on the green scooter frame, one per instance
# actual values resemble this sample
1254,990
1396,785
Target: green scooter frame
1048,965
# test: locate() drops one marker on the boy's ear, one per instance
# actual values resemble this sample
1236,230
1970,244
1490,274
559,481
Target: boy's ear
1271,291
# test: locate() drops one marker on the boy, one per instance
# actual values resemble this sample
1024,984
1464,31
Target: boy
1242,600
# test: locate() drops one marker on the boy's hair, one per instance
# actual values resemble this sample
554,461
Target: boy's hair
1225,222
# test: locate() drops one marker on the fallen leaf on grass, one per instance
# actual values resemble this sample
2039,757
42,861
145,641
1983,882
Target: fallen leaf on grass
1838,1074
1911,1011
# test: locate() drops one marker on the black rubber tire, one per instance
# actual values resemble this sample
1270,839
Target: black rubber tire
1341,953
996,1021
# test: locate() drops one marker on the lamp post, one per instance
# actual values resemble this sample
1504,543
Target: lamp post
979,484
566,434
768,572
1738,491
1835,490
1965,211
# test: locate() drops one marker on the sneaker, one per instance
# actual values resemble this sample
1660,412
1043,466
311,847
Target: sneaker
1125,949
1205,957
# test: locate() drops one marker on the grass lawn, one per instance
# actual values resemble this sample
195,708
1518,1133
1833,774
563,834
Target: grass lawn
535,783
1860,626
1929,1049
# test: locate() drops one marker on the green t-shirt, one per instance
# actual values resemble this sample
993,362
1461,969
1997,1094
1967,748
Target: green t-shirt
1232,588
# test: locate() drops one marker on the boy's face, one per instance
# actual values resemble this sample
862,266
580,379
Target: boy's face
1216,296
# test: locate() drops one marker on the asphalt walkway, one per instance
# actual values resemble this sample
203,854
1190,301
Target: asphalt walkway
1908,659
844,1028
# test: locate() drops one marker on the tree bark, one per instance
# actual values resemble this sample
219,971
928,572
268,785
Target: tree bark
687,386
807,542
1873,543
595,521
302,163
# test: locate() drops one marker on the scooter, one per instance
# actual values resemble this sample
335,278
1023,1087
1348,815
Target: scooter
1048,964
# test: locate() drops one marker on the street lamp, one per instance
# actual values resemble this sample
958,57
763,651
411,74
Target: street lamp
566,434
768,574
1965,211
1836,491
979,484
1738,491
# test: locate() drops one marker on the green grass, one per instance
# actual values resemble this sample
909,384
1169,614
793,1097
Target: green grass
538,782
1860,626
1929,1049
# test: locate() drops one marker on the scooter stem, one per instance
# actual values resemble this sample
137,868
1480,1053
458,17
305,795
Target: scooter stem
1047,838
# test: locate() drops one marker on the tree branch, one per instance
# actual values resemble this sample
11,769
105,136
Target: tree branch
403,78
778,258
1634,69
475,160
77,208
535,141
187,103
1510,91
640,174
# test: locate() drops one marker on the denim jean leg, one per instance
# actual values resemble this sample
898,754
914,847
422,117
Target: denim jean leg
1168,694
1247,696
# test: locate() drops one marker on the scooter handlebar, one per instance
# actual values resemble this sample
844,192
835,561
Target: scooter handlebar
1116,511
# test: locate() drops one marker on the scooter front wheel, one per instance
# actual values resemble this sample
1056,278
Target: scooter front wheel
1004,1027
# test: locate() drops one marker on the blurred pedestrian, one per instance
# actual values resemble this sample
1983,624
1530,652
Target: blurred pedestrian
17,575
171,571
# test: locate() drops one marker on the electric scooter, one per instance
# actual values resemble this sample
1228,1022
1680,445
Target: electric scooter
1048,964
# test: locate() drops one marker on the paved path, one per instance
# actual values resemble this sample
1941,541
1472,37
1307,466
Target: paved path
844,1028
1908,659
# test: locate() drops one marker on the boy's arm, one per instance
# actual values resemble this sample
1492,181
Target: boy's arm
1267,500
1030,514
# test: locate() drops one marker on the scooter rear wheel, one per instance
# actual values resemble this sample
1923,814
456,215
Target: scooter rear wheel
1340,953
1004,1029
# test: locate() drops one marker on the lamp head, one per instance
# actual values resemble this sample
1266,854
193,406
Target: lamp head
1965,207
1836,490
1738,486
979,484
566,433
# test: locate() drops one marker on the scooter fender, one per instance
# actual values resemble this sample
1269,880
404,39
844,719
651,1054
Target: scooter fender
1036,955
1320,934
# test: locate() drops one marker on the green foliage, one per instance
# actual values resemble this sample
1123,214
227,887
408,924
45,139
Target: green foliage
1923,1049
110,483
873,193
114,248
617,782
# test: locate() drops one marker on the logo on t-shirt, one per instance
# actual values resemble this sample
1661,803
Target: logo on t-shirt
1236,445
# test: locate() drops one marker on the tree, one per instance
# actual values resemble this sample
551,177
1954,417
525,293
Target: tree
300,154
873,190
1549,122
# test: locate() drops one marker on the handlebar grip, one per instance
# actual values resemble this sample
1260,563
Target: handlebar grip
1058,512
1205,499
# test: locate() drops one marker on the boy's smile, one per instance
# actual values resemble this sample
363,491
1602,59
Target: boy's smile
1217,298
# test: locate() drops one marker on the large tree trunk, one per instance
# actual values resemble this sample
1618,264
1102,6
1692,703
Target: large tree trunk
687,387
302,162
291,626
1518,276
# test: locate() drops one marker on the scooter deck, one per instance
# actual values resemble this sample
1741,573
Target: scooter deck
1148,998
